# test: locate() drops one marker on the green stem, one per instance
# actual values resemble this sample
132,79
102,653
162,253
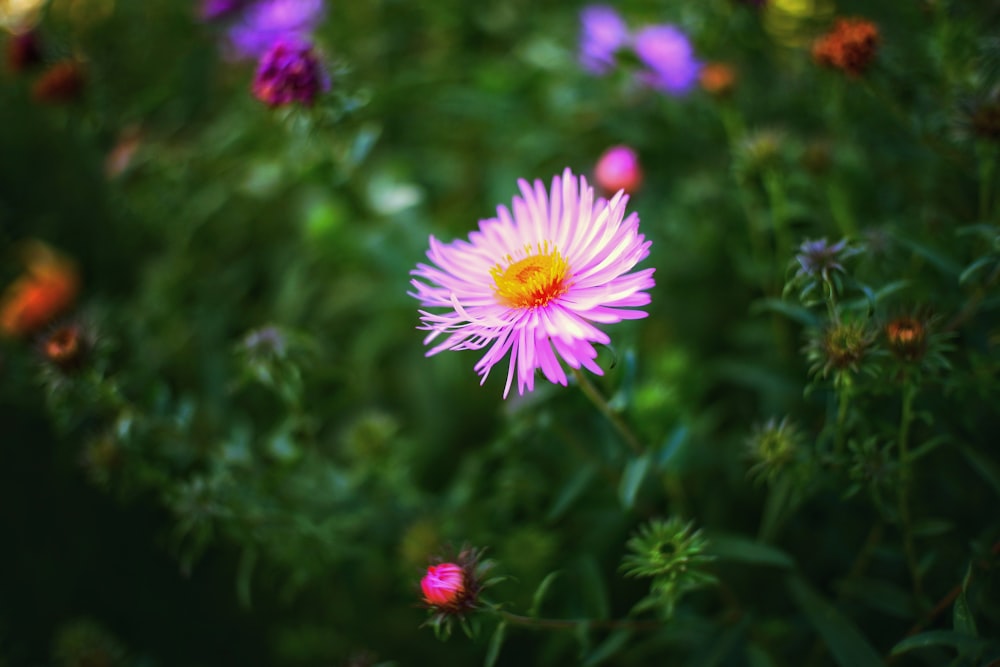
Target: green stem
602,404
905,473
566,623
987,166
778,202
844,386
840,209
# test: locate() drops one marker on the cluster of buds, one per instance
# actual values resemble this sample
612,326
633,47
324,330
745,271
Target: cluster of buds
452,589
850,46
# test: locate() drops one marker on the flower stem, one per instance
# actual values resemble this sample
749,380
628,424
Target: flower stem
564,623
844,394
905,520
602,404
987,166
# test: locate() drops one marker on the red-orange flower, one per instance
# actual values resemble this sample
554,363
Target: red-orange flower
61,83
850,46
717,79
46,289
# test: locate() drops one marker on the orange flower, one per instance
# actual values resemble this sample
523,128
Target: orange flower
717,79
850,46
61,83
46,289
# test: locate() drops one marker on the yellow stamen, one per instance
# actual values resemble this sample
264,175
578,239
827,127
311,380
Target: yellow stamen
532,281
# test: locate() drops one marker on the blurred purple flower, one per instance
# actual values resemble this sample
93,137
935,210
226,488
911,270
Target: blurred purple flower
604,32
820,259
669,57
213,10
265,22
289,72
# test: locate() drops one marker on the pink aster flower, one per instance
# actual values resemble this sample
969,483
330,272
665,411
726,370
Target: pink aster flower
618,169
443,585
533,283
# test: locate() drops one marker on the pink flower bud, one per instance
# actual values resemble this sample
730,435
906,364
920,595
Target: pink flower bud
618,169
443,585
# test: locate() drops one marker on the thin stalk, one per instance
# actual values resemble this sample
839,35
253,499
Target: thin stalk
905,473
602,404
567,623
778,202
844,387
987,167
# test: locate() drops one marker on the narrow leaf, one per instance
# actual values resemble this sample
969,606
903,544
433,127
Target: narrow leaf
635,473
982,465
608,648
962,643
744,550
543,588
962,619
847,645
496,642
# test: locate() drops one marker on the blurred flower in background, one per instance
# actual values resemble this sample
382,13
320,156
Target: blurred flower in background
664,51
717,79
23,51
533,283
214,10
45,290
61,83
618,169
669,59
289,72
604,33
850,46
795,23
266,22
19,16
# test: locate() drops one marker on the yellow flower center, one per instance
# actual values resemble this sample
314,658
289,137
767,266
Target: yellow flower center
534,280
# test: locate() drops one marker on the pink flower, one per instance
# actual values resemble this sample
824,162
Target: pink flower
443,585
618,169
533,283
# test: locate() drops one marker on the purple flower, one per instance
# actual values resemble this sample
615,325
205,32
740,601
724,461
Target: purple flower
604,32
289,72
267,21
213,10
532,282
669,57
820,259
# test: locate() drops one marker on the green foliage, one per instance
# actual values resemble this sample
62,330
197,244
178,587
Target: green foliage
234,450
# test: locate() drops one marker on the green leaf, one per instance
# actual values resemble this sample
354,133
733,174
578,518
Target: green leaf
847,645
732,547
984,466
961,642
244,575
608,647
792,311
944,264
543,588
593,590
884,596
962,619
758,657
632,478
576,485
496,642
